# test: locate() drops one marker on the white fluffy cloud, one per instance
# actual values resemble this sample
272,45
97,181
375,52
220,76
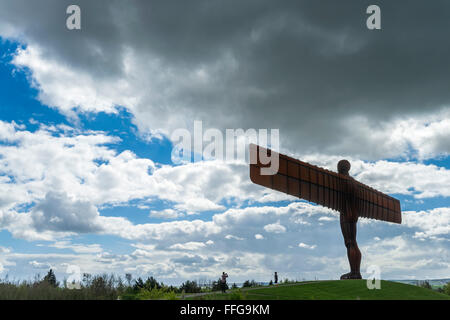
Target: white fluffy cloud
275,228
179,250
400,257
76,247
65,175
307,246
188,246
61,176
166,214
433,223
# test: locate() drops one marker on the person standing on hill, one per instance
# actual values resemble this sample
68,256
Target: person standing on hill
223,282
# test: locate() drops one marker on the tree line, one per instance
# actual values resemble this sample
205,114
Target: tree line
103,287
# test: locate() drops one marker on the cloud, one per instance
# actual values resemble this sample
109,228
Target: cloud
40,265
232,237
78,248
307,246
327,82
159,247
419,180
433,223
275,228
259,236
188,246
413,259
327,218
5,250
57,212
20,225
183,229
166,214
66,185
49,161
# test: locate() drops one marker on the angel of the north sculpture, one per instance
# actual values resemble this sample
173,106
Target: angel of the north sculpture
337,191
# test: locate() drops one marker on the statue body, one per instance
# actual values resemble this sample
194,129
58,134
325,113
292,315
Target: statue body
348,219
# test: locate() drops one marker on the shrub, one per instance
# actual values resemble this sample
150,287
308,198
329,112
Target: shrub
447,288
248,284
156,294
217,286
426,285
238,295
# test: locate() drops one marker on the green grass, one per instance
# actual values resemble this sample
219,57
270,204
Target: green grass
333,290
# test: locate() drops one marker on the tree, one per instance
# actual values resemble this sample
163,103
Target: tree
50,278
234,286
120,285
129,277
138,284
151,283
248,284
190,287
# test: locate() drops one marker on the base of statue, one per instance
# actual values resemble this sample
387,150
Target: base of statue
351,275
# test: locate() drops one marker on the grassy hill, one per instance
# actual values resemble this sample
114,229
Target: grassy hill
331,290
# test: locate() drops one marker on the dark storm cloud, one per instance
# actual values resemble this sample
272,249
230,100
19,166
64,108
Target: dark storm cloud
306,67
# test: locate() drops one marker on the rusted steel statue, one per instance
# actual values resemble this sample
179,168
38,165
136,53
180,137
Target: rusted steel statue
337,191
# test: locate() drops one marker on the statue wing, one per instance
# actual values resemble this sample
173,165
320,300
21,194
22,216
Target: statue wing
321,186
299,179
374,204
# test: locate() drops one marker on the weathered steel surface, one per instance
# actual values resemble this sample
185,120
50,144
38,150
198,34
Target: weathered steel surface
323,187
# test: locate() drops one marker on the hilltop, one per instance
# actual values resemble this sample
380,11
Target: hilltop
330,290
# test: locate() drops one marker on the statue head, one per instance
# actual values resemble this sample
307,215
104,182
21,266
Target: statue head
343,167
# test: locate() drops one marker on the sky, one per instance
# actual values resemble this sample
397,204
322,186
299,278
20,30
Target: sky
87,174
